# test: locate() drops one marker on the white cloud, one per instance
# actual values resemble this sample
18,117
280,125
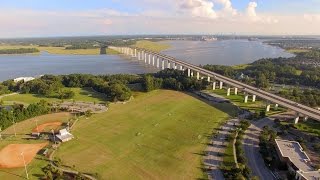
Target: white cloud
198,8
227,9
312,17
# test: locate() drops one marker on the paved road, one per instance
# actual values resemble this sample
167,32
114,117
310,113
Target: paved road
251,149
215,150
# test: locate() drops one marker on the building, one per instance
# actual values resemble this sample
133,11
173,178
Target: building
64,135
297,160
24,79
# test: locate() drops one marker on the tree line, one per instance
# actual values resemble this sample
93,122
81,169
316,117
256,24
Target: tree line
172,79
20,113
19,51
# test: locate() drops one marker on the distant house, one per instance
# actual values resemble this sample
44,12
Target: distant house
297,160
24,79
64,135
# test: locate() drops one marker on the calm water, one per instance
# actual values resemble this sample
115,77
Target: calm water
12,66
228,52
217,52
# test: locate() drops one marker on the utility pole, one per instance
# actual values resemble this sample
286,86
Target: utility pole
14,128
54,137
25,166
0,133
37,126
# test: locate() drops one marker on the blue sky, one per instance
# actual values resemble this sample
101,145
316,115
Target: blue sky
288,6
91,17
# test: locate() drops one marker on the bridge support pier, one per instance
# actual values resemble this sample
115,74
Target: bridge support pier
254,98
214,85
268,107
296,118
153,57
168,64
198,76
305,118
181,68
208,79
276,106
139,56
220,85
145,57
149,60
174,65
246,98
158,62
135,52
228,91
162,64
235,91
189,73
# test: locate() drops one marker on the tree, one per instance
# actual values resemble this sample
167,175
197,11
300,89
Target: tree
262,81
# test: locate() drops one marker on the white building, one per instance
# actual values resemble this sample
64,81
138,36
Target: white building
297,160
64,135
24,79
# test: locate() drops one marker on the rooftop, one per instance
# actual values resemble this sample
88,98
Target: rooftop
295,153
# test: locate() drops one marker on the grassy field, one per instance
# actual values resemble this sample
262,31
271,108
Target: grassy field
310,127
228,157
62,50
153,46
22,128
240,66
238,100
297,50
157,135
81,94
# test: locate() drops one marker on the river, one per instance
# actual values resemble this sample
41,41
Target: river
227,52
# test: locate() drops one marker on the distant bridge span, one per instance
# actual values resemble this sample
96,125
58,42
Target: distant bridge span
162,61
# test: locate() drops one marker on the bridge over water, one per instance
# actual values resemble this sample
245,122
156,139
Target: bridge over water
162,61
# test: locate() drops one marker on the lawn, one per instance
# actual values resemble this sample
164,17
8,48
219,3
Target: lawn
81,94
238,100
22,128
309,126
240,66
153,46
294,51
228,157
157,135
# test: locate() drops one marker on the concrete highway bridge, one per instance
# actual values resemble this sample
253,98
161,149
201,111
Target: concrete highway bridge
162,61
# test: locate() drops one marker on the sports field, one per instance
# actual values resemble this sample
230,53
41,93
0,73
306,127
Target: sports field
11,147
157,135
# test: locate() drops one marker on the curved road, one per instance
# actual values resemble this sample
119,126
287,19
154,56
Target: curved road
251,149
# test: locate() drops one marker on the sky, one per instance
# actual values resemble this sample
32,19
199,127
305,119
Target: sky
40,18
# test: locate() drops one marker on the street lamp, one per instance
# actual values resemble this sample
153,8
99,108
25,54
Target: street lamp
25,166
